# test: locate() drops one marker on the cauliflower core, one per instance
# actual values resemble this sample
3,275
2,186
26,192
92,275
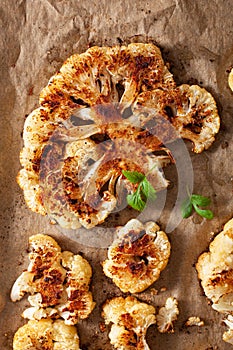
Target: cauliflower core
91,119
130,320
167,315
137,257
46,335
58,283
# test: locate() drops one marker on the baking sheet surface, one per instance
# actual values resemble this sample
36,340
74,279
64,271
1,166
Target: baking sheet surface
196,39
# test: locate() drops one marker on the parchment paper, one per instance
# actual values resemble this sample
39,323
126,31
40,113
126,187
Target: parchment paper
196,38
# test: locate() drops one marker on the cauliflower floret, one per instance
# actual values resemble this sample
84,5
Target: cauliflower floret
58,283
130,320
190,112
215,270
46,335
137,257
167,315
228,335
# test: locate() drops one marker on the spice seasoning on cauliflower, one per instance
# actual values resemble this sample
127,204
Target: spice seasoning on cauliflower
215,270
129,321
137,257
167,315
87,104
46,335
58,283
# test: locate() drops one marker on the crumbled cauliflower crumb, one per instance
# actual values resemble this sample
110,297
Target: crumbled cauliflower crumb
58,283
194,321
130,320
167,315
46,335
137,257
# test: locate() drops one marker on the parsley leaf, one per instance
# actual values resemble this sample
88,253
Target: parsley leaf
186,208
133,176
144,191
147,189
193,202
200,200
135,201
208,214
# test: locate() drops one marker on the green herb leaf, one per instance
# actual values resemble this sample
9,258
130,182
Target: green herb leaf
144,191
135,201
194,201
133,176
147,189
208,214
186,208
200,200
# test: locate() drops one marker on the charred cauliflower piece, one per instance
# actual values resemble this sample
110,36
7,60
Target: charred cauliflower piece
58,283
46,335
167,315
130,320
215,270
230,79
137,257
228,335
194,321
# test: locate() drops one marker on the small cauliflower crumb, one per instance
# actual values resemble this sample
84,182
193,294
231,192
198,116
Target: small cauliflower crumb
46,335
194,321
130,320
167,315
58,283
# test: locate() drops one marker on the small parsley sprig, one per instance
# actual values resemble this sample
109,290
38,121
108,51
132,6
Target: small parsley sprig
194,201
144,191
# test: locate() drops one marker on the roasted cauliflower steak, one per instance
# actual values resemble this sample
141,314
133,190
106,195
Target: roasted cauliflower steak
58,283
46,334
129,319
137,257
91,117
